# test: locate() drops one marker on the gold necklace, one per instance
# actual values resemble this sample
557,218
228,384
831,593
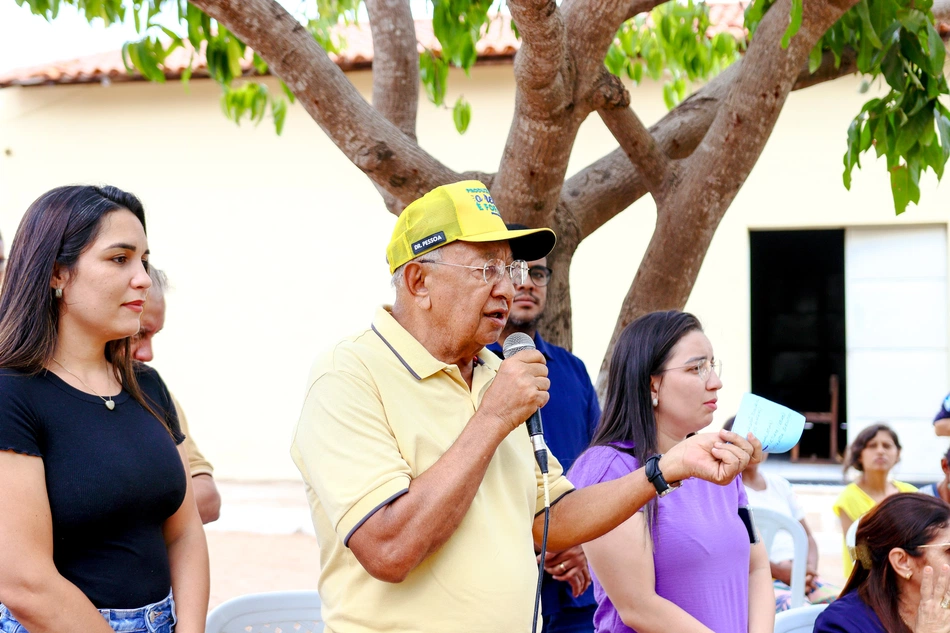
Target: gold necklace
110,404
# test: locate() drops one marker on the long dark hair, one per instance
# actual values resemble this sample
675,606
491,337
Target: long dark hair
862,440
906,520
641,351
57,228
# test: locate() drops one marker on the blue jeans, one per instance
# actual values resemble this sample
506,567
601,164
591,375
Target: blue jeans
154,618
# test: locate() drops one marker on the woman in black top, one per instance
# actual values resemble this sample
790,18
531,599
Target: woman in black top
98,524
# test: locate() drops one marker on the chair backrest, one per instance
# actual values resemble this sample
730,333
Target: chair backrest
291,611
769,523
800,620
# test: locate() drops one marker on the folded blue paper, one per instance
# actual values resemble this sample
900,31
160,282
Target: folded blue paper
777,427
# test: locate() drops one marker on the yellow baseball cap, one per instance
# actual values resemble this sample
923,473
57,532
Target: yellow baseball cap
463,211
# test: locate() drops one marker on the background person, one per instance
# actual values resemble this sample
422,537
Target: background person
686,563
569,417
942,419
873,453
768,490
940,489
202,472
98,524
421,480
894,587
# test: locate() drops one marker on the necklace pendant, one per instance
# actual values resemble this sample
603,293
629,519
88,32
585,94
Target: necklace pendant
110,404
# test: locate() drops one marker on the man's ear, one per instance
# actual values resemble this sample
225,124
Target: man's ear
415,279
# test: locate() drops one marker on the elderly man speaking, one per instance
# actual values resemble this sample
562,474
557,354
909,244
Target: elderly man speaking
425,502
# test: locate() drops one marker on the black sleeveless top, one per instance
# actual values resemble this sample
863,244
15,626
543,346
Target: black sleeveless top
113,478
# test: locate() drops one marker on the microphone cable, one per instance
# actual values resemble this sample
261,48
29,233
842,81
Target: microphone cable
544,545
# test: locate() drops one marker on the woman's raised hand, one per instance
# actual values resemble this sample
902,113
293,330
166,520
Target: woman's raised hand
933,613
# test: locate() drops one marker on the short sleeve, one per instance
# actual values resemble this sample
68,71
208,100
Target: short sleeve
599,464
197,463
20,429
743,497
346,451
559,484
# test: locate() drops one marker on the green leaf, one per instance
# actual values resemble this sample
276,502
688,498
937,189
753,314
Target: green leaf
278,109
893,68
814,59
461,115
909,133
868,31
794,23
903,188
259,64
291,97
937,51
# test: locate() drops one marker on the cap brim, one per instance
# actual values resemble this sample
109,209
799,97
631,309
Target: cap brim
526,244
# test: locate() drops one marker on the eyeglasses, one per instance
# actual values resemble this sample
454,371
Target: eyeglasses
540,275
494,270
702,369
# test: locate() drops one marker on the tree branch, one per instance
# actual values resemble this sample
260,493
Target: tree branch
545,121
714,172
390,158
395,71
638,144
395,63
592,26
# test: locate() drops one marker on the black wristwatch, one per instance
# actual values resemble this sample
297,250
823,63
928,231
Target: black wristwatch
655,477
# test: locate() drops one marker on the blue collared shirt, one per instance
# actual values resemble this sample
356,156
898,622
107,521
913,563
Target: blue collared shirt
569,419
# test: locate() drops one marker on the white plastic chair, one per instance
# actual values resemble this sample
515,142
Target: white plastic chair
290,611
800,620
770,523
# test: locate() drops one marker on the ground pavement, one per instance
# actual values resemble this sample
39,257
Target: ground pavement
264,539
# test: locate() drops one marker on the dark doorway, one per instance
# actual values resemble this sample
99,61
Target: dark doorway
798,326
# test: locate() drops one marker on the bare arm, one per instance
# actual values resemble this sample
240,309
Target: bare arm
591,512
207,498
942,427
623,562
30,585
400,535
188,558
846,522
761,593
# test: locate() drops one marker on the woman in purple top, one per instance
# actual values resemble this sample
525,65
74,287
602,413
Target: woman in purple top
685,563
893,587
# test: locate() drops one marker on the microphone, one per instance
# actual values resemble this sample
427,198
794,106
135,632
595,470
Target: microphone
518,342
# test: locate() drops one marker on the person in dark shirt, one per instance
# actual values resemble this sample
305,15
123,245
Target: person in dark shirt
902,571
570,418
99,526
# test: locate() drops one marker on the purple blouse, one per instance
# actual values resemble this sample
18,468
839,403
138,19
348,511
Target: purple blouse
700,546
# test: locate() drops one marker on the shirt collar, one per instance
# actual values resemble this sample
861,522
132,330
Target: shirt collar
411,353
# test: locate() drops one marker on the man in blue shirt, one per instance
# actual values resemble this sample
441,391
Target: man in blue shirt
569,418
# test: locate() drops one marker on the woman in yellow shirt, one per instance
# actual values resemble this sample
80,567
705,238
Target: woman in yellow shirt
874,452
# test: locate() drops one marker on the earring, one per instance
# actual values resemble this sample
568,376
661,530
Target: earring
909,574
656,401
59,293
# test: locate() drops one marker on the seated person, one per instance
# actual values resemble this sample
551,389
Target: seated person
942,419
900,581
940,488
766,490
873,453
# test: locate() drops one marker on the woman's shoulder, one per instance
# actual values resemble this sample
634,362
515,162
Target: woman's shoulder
904,487
601,463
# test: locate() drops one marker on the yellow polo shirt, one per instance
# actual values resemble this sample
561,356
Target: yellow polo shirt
379,411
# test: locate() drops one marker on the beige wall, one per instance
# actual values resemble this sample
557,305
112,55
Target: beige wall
275,245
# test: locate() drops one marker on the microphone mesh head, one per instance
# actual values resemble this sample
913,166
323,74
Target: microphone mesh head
517,342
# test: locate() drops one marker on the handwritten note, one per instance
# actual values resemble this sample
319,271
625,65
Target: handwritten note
777,427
